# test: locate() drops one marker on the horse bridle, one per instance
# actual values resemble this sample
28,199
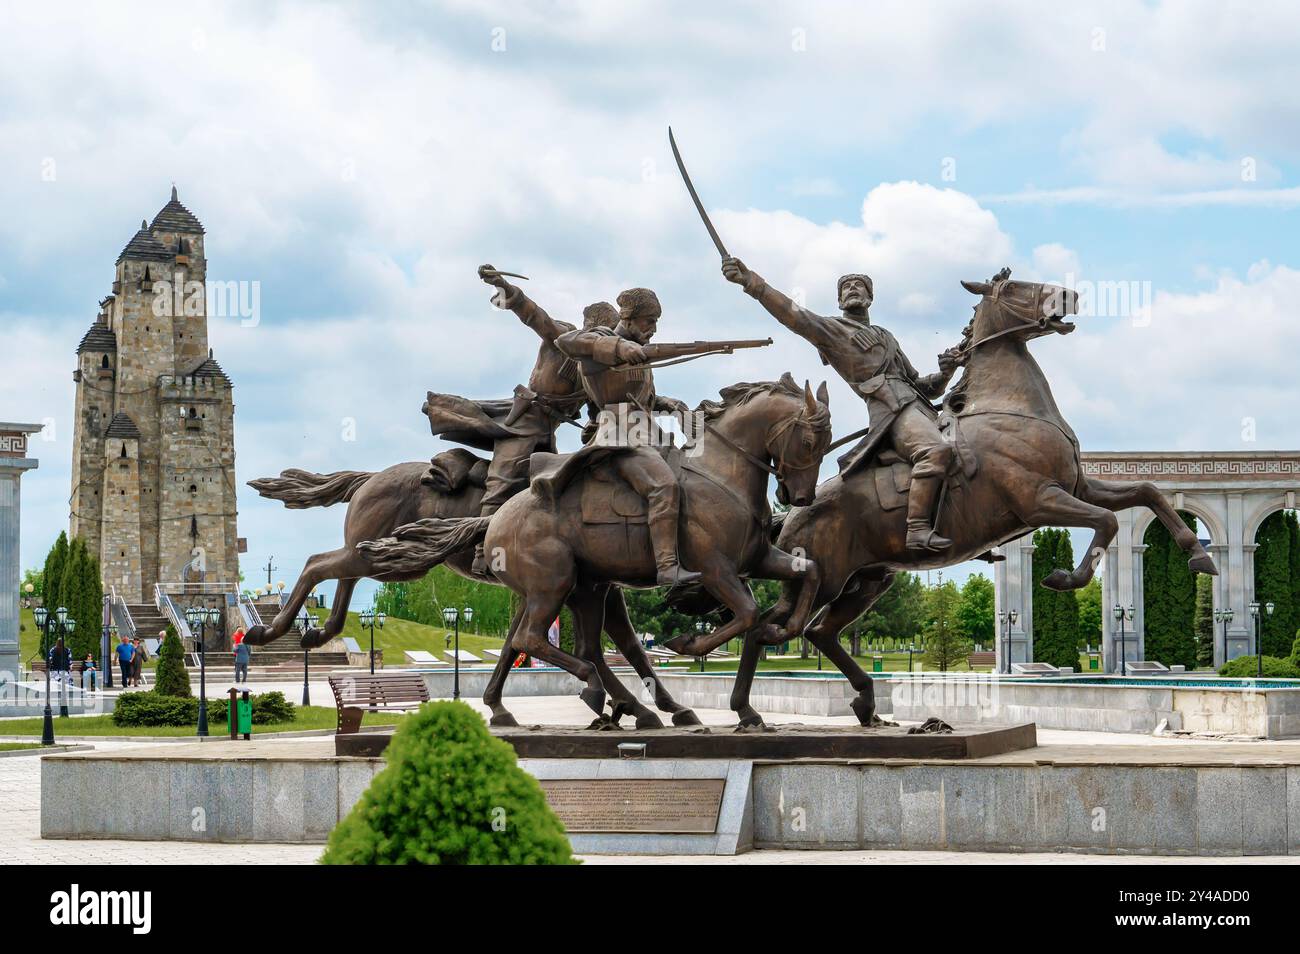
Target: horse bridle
1039,300
774,432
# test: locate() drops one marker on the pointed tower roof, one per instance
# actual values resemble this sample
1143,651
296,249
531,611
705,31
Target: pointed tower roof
174,217
122,426
99,339
143,247
210,369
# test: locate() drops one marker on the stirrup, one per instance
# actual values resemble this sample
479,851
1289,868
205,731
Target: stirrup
928,540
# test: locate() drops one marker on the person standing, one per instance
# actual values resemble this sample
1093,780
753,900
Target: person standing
242,656
124,653
60,663
88,672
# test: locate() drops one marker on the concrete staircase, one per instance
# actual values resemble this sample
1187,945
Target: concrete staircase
148,621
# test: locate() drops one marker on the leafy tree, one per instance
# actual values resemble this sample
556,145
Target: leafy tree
975,610
1089,599
945,643
172,678
450,794
37,580
899,613
1204,620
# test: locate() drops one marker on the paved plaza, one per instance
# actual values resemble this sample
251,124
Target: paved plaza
20,841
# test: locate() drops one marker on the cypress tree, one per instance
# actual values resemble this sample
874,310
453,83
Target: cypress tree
1293,526
1273,584
53,574
1204,621
1169,598
172,678
1065,613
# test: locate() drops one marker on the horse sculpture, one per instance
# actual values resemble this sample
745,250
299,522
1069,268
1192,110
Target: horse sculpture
1022,470
549,554
380,502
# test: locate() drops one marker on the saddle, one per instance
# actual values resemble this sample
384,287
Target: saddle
605,498
453,470
893,474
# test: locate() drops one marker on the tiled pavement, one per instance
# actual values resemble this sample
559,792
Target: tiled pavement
20,841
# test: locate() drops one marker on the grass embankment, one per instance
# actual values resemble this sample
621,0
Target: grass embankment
399,635
305,717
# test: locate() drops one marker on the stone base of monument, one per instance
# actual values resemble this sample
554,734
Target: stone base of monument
772,742
1165,799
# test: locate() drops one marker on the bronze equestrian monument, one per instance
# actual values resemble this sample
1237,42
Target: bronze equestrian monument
947,459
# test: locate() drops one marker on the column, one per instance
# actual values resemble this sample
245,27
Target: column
1013,589
1241,578
1122,584
13,463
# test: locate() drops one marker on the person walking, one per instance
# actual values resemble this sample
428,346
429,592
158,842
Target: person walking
138,659
243,654
124,653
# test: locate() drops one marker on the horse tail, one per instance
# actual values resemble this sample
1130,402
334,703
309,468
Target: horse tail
300,489
418,547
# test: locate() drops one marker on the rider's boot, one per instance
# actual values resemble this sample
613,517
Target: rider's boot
920,509
480,565
662,523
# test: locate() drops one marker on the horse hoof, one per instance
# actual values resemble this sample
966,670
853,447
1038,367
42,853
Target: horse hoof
502,719
256,635
1203,563
749,719
619,709
1059,580
686,717
648,720
313,638
594,698
679,644
864,707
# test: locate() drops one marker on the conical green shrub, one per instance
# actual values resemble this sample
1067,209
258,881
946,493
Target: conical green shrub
450,794
171,677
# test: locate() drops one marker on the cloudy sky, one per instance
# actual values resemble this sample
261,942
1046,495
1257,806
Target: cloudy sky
358,161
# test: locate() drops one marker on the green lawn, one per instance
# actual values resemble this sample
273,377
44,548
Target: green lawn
15,746
399,635
309,717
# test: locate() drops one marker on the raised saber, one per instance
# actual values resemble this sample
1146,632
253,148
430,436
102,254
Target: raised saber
497,271
699,206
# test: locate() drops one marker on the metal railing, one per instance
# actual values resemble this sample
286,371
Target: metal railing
120,614
162,599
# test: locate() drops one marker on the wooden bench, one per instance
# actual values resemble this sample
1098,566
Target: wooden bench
982,659
358,693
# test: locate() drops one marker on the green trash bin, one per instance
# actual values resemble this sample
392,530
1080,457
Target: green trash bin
1093,661
239,714
877,663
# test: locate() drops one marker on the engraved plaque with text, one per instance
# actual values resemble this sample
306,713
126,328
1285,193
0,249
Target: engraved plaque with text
661,805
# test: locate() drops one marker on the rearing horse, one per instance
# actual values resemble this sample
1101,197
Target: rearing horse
1028,475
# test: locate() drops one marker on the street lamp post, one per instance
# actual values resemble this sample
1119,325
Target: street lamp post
106,643
304,623
202,617
1123,614
1224,616
1259,651
369,620
701,627
48,622
452,616
1006,620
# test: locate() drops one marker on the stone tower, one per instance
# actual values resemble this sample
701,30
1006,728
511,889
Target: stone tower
153,446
